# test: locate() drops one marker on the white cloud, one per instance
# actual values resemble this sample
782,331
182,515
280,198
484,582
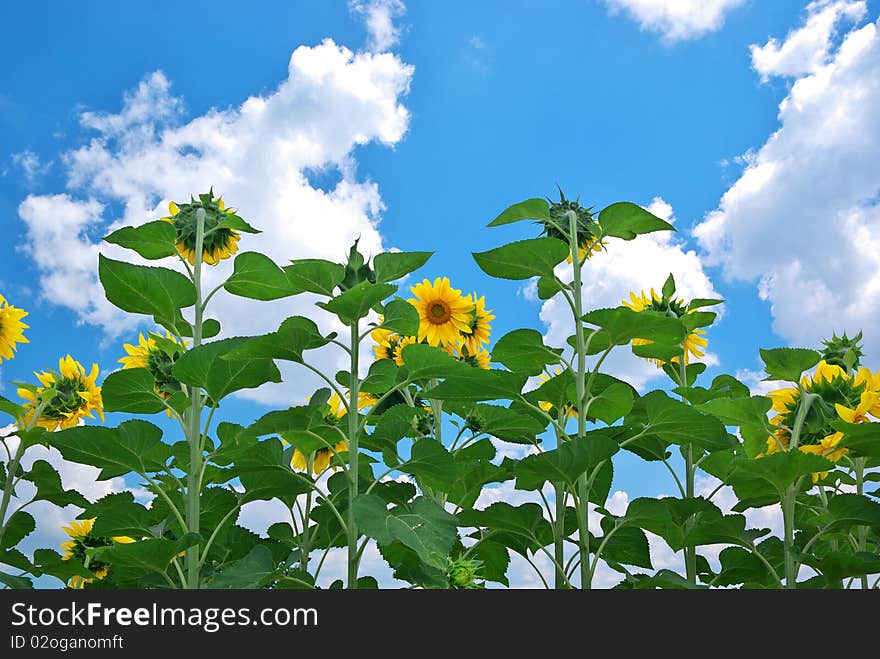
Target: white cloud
802,220
260,155
31,165
378,16
627,266
806,49
676,20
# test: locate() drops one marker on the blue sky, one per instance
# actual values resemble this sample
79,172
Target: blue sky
505,101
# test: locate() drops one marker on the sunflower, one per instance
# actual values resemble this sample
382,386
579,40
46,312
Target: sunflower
67,396
445,313
841,395
398,349
588,230
386,342
157,355
11,329
81,539
320,460
693,343
568,410
479,325
479,358
218,242
366,399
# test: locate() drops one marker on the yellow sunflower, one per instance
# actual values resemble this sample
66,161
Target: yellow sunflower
366,399
218,243
479,325
568,410
11,329
445,313
695,341
81,539
68,396
586,248
479,358
386,342
854,398
149,354
335,411
398,349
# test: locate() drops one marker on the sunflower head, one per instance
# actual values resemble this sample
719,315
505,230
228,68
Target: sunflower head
357,269
158,355
220,239
843,351
478,324
479,358
386,342
444,313
65,396
464,573
11,329
666,303
81,540
588,230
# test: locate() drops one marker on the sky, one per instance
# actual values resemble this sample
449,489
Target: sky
750,125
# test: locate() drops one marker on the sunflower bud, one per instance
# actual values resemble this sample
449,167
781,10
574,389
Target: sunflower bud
357,269
464,573
588,231
844,351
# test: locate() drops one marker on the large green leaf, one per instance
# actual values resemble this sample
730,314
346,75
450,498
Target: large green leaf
391,266
205,367
135,446
158,292
131,390
296,335
257,277
255,570
432,465
19,525
610,403
685,522
49,487
673,422
153,240
750,411
315,275
847,510
622,325
530,209
356,302
501,422
401,317
153,555
524,350
424,526
751,477
626,220
524,259
788,363
861,438
119,515
566,463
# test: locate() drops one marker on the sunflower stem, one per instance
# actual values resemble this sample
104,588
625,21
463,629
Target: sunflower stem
862,531
788,499
353,427
690,553
193,487
583,486
559,535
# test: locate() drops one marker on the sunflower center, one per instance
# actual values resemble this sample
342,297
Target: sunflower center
439,312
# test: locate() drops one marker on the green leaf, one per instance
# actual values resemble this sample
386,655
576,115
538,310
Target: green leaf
628,545
255,570
502,422
356,302
135,446
432,465
847,510
424,526
788,363
295,336
156,292
12,409
524,350
153,555
232,221
673,422
391,266
495,559
401,317
315,275
49,487
838,565
750,411
274,482
204,367
565,463
623,325
750,477
15,582
861,438
685,522
153,240
611,403
626,220
524,259
119,515
739,566
476,384
257,277
19,525
530,209
131,390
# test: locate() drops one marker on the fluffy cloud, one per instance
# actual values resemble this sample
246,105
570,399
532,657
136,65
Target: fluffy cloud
636,265
261,155
803,218
31,166
379,16
806,49
676,20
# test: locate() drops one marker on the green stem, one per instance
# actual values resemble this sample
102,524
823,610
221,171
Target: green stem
861,531
353,427
690,553
580,386
559,535
788,499
194,420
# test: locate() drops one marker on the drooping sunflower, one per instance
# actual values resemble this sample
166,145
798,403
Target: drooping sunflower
81,539
840,394
320,459
11,329
695,341
444,313
480,328
218,242
157,354
68,396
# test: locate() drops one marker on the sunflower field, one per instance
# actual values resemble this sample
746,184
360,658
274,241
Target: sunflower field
394,450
